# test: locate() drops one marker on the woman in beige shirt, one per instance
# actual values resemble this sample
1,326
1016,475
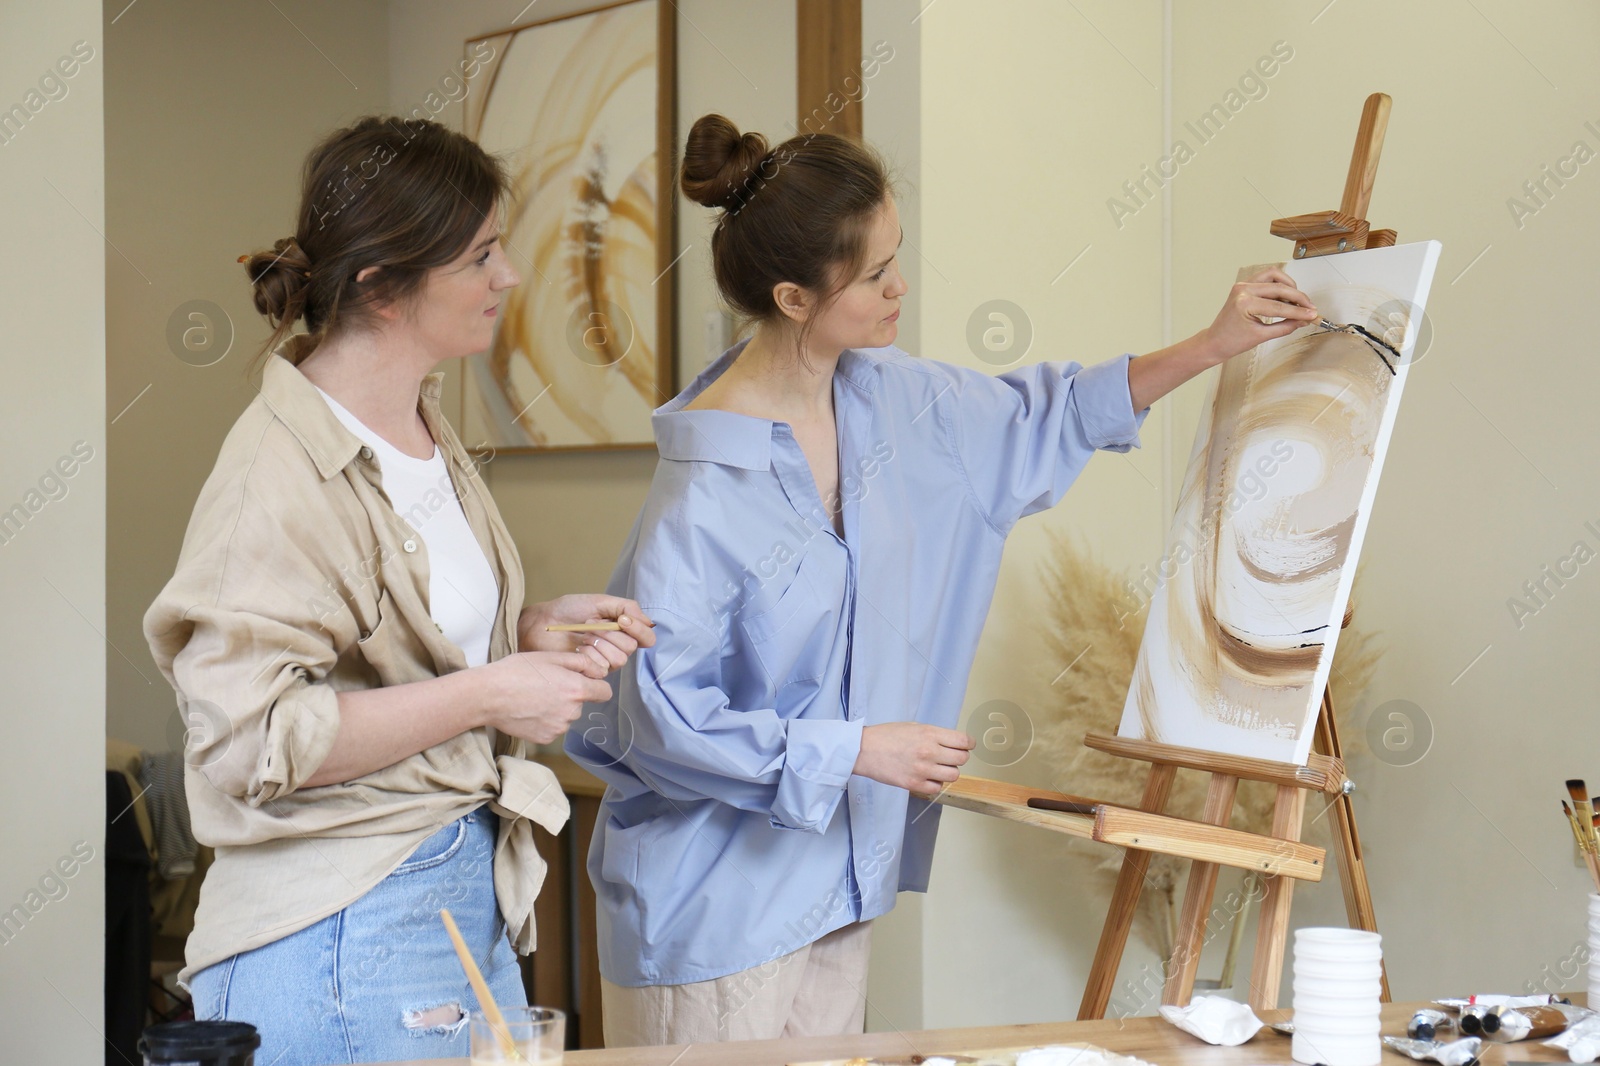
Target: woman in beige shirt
346,635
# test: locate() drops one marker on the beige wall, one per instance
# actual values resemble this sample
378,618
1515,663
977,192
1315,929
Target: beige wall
52,568
1028,119
210,111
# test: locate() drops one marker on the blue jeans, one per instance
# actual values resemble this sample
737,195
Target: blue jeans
379,980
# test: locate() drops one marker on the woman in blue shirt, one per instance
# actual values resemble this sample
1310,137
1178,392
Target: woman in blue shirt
818,550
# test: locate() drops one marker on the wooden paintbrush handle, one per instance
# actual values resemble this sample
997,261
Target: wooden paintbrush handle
480,988
1044,803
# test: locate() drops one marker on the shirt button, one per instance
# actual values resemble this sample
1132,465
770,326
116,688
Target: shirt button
366,453
410,545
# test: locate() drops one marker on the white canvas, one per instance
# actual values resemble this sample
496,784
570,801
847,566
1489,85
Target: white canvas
1250,593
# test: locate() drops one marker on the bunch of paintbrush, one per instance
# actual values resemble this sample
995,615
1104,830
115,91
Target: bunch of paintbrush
1581,816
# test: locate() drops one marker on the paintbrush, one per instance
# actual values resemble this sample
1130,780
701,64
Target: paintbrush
1046,803
480,987
1375,342
1582,816
1572,821
1590,859
1584,810
587,627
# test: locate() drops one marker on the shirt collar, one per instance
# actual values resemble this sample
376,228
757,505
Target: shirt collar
733,439
298,405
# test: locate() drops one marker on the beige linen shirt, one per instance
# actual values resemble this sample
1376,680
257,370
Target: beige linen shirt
296,581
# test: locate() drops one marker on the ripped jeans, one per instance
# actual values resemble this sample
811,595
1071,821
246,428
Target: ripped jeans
378,981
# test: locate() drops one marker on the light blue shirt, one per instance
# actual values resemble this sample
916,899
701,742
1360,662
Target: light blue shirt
733,831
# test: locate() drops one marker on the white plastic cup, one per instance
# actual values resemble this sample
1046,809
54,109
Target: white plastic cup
1348,944
1594,948
1337,981
1363,992
1334,1020
1329,1050
1327,970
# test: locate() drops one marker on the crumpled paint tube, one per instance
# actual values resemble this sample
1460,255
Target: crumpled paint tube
1426,1024
1455,1053
1581,1041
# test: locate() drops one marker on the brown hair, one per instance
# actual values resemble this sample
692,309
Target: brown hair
402,194
799,212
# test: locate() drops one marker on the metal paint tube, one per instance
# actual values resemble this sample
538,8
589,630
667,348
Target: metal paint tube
1536,1023
1455,1053
1426,1024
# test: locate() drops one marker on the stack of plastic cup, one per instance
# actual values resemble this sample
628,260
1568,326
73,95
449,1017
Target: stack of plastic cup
1338,980
1594,949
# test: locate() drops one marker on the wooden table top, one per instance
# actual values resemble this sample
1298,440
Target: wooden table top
1150,1038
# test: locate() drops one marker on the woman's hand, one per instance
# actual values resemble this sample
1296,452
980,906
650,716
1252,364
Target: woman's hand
1238,328
537,695
610,649
1240,325
910,755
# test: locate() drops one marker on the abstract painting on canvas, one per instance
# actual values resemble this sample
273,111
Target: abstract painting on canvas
1271,516
580,105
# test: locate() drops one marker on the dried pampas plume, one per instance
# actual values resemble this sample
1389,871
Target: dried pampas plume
1095,622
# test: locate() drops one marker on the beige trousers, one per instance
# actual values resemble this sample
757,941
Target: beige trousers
820,990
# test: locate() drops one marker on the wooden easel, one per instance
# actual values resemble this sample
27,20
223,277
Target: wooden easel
1324,772
1209,843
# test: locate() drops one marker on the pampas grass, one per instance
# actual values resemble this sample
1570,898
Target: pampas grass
1095,623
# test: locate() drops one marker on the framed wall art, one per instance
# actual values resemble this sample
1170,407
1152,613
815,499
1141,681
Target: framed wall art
582,108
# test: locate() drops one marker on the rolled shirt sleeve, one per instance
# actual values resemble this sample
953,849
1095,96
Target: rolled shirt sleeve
678,734
246,646
257,726
818,761
1024,436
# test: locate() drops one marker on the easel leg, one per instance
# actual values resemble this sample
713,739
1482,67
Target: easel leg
1197,899
1124,905
1272,929
1347,841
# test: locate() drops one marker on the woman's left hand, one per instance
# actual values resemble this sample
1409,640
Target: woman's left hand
613,646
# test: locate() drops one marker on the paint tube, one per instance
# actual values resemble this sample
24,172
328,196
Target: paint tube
1477,1018
1455,1053
1498,1001
1581,1041
1426,1024
1525,1023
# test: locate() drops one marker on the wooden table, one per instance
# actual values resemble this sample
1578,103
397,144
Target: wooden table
1151,1039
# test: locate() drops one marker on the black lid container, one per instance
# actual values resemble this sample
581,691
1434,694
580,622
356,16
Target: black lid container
218,1043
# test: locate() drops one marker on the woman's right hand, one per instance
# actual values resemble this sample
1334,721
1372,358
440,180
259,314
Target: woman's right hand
537,695
910,755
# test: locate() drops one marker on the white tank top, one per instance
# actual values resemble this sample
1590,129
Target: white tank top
463,593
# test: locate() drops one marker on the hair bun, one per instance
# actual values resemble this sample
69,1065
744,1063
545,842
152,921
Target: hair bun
280,279
719,161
